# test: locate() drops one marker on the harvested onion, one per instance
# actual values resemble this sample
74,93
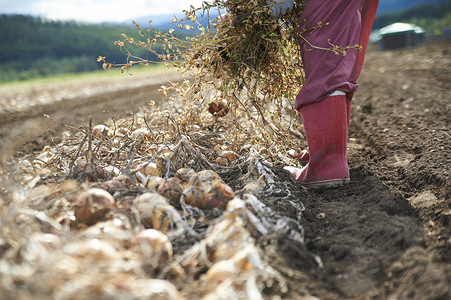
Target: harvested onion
91,205
171,189
154,245
217,196
99,130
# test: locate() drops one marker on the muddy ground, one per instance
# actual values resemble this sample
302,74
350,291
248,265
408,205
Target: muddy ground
386,235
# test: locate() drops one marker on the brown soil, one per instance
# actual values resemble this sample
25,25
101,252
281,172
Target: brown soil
387,235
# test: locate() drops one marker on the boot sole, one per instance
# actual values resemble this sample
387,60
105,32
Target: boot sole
325,184
322,184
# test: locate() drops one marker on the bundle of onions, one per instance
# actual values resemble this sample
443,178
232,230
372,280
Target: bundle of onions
249,57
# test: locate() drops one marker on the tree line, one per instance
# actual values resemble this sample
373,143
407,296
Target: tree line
33,47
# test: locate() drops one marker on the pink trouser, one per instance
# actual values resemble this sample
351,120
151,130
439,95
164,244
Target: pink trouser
349,24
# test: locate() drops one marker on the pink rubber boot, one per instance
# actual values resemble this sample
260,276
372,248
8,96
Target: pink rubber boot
304,155
326,128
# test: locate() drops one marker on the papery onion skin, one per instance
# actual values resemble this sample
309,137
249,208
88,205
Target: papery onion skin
217,196
91,205
171,189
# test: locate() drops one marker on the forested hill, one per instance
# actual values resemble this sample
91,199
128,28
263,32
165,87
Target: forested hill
32,47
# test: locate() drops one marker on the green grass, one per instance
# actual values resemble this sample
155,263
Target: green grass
83,76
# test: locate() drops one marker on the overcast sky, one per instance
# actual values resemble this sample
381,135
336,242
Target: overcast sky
95,11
